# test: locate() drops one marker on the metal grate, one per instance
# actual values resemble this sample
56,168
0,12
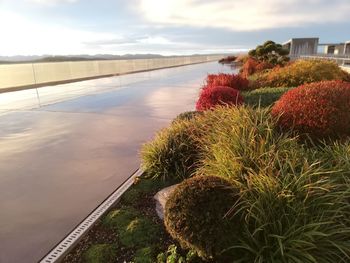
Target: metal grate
57,253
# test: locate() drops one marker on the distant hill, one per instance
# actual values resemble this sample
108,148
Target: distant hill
49,58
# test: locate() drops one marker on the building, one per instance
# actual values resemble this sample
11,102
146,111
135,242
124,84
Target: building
301,46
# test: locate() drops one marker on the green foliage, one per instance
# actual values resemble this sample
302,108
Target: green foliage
187,115
172,255
270,52
100,253
300,72
294,216
144,255
173,154
195,215
264,97
294,198
134,229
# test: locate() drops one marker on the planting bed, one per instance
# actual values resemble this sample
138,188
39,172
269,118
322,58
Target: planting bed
259,180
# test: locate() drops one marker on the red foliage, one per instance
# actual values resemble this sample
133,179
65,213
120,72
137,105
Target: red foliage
252,66
228,80
212,96
320,109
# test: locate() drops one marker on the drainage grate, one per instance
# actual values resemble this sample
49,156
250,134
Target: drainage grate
57,253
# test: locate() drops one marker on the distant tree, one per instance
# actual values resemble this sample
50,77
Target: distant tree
270,52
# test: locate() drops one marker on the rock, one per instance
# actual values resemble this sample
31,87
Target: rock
161,197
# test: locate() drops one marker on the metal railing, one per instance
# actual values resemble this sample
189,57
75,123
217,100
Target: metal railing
341,59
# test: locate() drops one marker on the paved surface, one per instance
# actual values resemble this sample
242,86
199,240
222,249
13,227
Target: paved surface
65,148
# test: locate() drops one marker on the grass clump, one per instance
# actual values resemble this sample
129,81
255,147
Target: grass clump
243,140
294,216
187,116
173,154
264,96
100,253
133,228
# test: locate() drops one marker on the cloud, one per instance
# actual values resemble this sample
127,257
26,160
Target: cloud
26,37
244,15
51,2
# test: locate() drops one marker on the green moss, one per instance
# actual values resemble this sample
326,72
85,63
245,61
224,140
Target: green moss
144,255
133,228
120,218
100,253
140,232
263,96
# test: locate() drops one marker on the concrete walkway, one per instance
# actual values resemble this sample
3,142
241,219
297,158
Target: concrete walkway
64,149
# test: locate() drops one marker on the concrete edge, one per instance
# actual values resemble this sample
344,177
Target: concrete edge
68,243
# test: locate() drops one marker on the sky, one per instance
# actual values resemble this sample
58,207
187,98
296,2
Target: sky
167,27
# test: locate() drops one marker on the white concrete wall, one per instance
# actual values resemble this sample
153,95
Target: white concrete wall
18,75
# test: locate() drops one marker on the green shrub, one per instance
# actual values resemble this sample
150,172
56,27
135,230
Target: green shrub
134,229
173,154
187,115
264,97
195,215
100,253
300,72
270,52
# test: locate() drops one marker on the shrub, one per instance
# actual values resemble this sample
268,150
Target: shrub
100,253
270,52
213,96
228,59
301,72
195,214
228,80
188,115
173,154
134,229
320,110
264,97
252,66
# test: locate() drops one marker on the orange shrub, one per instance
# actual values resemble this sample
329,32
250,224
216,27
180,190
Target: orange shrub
228,80
213,96
319,109
252,66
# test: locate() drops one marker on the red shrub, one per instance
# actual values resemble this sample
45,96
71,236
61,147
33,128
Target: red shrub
228,80
212,96
320,109
252,66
